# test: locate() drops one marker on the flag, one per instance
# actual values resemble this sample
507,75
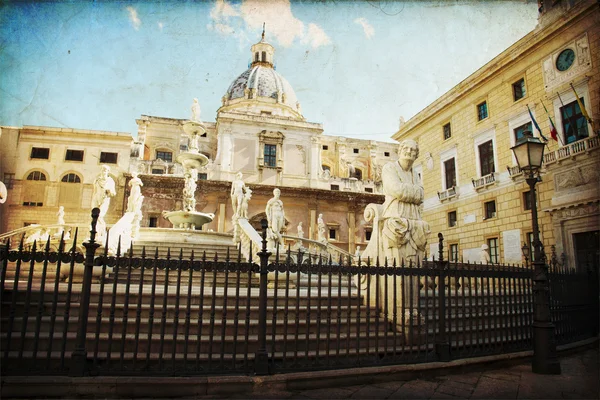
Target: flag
536,124
581,107
553,132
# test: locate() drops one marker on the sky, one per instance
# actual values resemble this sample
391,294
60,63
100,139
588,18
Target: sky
356,67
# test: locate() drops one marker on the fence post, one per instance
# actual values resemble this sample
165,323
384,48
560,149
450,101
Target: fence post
261,358
442,347
79,356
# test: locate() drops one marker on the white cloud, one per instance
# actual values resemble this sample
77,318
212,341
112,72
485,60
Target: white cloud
369,30
282,26
316,36
160,26
133,17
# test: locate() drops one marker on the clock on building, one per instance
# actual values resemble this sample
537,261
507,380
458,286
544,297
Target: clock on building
565,59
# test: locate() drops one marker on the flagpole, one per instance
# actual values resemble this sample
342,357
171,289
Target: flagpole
582,107
552,124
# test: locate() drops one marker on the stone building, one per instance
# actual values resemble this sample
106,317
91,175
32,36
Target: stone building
259,130
475,193
44,168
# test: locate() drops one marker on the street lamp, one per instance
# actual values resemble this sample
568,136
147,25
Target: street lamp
529,152
525,251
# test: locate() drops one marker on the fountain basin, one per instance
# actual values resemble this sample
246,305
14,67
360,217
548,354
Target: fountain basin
188,219
194,128
192,160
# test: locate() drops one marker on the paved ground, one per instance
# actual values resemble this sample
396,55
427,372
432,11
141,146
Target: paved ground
579,380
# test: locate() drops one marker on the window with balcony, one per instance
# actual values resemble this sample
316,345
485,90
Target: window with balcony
164,155
482,111
41,153
74,155
518,89
450,173
447,131
486,157
519,131
493,249
574,124
489,209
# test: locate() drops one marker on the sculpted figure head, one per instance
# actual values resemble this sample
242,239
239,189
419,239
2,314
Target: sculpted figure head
276,193
238,176
408,153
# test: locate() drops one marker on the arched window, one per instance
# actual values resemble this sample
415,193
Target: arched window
36,176
69,191
358,174
71,178
264,56
326,167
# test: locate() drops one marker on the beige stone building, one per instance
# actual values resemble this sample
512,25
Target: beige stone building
475,193
259,130
44,168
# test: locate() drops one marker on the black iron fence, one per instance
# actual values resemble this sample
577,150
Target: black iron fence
64,312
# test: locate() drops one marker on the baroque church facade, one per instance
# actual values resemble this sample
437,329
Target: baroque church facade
259,131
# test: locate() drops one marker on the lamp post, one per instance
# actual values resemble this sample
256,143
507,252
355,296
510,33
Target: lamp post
525,251
529,152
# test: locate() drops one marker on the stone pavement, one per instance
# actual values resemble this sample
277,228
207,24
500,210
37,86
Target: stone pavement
579,380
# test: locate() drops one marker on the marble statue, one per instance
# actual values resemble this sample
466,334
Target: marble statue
300,230
134,196
357,253
403,232
60,216
401,122
484,255
189,191
238,188
3,193
275,219
104,189
321,229
196,111
245,200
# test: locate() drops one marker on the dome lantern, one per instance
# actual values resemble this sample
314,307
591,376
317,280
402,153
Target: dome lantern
262,52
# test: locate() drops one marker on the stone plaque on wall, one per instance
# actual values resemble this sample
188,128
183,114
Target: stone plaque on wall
244,155
512,246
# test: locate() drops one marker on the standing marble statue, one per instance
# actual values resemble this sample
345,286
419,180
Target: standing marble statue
276,220
135,193
60,216
300,230
196,111
189,191
321,229
238,189
484,255
244,208
104,189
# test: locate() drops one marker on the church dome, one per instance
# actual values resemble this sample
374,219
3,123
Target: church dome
261,89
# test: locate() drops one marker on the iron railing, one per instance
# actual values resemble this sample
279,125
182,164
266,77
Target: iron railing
138,314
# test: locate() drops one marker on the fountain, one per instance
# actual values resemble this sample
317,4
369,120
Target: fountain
191,160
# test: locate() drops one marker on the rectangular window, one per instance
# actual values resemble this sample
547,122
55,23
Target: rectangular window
369,190
493,249
74,155
108,158
519,132
33,204
386,153
157,171
202,176
368,234
450,173
574,124
453,252
332,234
9,179
355,151
486,157
518,89
335,187
490,209
482,111
153,222
40,152
527,200
183,147
271,155
447,131
452,219
325,147
165,156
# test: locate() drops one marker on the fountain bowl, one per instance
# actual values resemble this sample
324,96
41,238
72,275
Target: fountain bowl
192,160
188,219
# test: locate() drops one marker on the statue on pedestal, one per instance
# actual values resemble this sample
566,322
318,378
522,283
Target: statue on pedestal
196,111
276,220
321,229
484,255
104,189
300,230
238,189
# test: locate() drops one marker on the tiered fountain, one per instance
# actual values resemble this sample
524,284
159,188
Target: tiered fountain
191,160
